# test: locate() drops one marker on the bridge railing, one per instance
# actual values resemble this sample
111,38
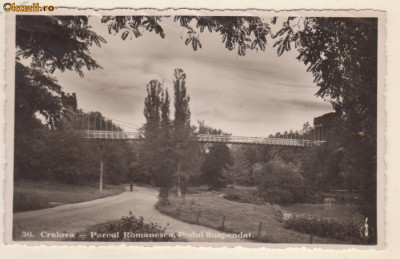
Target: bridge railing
256,140
97,134
120,135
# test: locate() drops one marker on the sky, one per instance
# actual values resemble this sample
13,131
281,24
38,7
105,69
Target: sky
253,95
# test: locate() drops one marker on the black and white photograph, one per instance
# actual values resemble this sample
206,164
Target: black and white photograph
247,128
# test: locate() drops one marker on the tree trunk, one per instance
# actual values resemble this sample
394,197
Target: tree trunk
179,178
101,176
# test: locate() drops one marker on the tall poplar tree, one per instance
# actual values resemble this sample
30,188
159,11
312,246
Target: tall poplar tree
166,154
152,112
182,128
152,108
158,145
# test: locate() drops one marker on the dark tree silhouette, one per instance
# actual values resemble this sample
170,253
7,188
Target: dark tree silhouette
241,32
158,147
216,160
56,42
36,92
50,42
166,142
152,109
342,55
182,127
152,112
131,25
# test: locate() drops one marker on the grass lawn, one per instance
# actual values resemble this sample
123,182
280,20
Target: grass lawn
209,209
32,195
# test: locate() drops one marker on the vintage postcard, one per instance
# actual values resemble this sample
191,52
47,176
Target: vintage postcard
250,128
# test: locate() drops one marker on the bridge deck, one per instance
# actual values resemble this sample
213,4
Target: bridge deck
206,138
257,140
98,134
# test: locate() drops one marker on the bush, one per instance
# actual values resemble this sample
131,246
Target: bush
24,201
245,197
327,227
279,183
314,197
278,196
134,226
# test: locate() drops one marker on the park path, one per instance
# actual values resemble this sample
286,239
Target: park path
73,218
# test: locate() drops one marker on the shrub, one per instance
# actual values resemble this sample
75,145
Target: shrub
280,183
24,201
278,213
327,227
314,197
274,195
242,196
134,226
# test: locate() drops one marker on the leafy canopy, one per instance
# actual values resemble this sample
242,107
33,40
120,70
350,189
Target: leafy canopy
57,42
241,32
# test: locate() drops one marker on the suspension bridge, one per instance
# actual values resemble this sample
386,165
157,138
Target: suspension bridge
206,138
93,126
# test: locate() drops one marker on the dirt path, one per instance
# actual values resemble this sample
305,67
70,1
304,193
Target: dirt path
72,218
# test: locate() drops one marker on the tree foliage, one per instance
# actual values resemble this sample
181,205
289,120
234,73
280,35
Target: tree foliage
63,155
182,127
241,32
342,55
237,32
152,109
49,43
182,130
278,182
158,148
56,42
205,129
36,93
132,25
217,159
240,172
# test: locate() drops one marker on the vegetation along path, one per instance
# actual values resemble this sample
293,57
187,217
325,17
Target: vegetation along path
73,218
210,209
